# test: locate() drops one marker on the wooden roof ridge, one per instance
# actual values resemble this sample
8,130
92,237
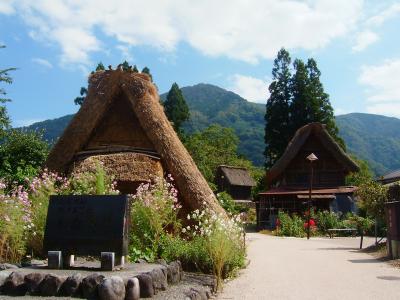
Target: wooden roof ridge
143,99
298,140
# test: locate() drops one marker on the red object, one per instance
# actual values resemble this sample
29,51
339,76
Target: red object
277,223
312,223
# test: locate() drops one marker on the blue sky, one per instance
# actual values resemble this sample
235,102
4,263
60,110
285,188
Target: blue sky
230,43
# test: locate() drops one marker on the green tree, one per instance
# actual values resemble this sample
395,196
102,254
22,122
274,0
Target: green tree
100,67
372,197
277,130
125,66
79,100
146,70
212,147
310,103
22,154
176,108
363,176
4,118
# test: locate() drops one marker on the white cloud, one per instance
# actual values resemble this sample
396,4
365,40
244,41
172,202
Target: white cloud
364,39
43,62
6,7
125,52
382,87
245,30
250,88
368,36
384,15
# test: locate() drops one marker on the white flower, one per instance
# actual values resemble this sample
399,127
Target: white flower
188,217
184,230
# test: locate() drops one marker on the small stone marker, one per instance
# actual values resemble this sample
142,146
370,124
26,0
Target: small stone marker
54,259
107,261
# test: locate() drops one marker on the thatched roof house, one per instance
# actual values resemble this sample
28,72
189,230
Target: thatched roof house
391,177
236,181
122,124
289,179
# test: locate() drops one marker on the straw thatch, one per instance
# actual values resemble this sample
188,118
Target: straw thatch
133,167
319,131
135,96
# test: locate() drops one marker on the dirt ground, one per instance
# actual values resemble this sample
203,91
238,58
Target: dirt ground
320,268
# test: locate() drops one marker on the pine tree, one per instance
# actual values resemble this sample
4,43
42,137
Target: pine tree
277,131
135,69
79,100
320,100
310,102
100,67
146,70
301,107
125,66
176,108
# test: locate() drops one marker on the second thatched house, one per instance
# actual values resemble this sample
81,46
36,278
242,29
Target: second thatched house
289,179
236,181
122,124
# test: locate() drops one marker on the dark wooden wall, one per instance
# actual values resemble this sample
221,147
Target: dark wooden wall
328,172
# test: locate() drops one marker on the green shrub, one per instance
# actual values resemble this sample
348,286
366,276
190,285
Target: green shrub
327,220
290,225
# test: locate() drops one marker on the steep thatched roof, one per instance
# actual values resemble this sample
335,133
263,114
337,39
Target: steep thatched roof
300,137
107,87
237,176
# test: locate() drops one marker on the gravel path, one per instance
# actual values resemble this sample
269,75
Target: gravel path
321,268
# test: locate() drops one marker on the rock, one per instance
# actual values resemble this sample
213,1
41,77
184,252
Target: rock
14,285
89,285
146,285
161,262
159,280
3,277
32,282
7,266
195,294
71,286
51,284
132,291
112,288
174,272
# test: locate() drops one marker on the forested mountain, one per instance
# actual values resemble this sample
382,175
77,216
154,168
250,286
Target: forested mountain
371,137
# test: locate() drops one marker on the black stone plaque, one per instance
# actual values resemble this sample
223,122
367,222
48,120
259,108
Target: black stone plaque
87,225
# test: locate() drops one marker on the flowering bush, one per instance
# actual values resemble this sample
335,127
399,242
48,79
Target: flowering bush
208,242
25,208
154,213
223,238
14,216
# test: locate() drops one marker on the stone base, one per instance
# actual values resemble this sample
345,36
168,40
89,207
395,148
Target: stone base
107,261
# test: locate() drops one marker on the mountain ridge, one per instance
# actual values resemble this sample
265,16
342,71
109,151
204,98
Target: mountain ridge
371,137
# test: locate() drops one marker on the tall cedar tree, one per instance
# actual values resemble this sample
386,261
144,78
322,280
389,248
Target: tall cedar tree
295,101
310,103
176,108
277,130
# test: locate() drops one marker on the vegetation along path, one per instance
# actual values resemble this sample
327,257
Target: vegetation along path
321,268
